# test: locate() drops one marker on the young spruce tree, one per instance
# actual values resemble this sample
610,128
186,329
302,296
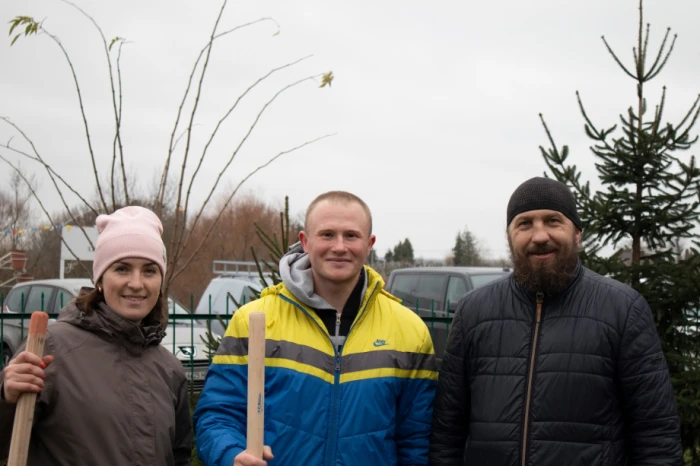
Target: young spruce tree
650,200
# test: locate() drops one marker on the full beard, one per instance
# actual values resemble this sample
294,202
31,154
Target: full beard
544,278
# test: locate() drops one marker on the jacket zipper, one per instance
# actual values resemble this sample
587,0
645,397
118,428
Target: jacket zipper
538,318
335,412
337,323
335,402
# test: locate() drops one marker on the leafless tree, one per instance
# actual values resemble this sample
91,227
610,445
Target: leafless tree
176,182
15,210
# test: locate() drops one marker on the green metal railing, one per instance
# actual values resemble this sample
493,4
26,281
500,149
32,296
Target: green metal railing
443,322
195,320
174,322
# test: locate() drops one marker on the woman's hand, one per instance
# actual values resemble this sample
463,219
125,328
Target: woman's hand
24,374
246,459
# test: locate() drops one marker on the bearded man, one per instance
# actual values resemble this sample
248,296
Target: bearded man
554,365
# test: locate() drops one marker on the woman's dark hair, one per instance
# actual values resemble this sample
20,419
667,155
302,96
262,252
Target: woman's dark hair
90,298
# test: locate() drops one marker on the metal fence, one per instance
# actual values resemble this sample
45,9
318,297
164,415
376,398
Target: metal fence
186,331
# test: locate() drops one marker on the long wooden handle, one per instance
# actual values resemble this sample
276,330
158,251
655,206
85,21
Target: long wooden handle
24,413
256,384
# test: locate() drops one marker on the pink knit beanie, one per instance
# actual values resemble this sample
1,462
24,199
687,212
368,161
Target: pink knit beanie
129,232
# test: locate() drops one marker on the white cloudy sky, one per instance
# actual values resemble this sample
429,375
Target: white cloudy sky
435,104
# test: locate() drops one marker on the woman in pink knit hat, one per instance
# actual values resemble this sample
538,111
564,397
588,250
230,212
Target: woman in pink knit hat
109,393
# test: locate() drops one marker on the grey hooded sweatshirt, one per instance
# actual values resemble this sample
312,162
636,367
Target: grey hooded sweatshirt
295,271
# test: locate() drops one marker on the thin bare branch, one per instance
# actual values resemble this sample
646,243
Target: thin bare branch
83,115
177,231
233,193
41,205
163,184
51,171
119,122
171,147
220,122
38,156
114,99
179,138
235,152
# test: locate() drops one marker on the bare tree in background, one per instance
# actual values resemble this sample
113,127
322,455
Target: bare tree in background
232,238
15,209
177,178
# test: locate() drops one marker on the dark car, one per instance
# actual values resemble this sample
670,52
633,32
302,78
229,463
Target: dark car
435,292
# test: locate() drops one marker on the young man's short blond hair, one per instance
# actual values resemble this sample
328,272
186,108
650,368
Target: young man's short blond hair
338,196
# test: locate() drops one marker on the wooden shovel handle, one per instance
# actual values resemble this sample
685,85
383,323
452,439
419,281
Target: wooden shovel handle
24,413
256,384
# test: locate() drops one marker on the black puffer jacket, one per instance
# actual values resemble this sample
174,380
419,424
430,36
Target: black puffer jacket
593,370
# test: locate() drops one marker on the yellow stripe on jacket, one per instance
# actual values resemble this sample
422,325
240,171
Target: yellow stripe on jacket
386,339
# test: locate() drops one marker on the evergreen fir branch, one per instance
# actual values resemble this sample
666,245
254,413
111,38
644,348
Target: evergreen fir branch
269,266
553,153
285,230
263,281
555,161
617,60
267,241
695,111
662,47
654,72
281,225
590,128
592,135
638,63
645,49
658,115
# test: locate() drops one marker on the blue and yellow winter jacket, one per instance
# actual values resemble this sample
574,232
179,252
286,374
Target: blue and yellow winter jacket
369,404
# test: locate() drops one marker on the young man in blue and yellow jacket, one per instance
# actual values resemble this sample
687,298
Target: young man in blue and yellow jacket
350,373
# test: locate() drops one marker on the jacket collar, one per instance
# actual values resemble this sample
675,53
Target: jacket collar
374,285
110,326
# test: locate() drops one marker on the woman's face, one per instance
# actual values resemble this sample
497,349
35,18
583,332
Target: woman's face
131,287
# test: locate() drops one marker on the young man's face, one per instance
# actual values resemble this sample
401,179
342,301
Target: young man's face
543,246
338,242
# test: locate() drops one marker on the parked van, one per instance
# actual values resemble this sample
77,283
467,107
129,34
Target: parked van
237,283
183,337
435,292
222,297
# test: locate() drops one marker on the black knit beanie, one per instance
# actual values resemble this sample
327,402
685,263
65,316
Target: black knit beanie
543,194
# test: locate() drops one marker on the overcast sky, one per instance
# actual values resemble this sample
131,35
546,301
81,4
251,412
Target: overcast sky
435,104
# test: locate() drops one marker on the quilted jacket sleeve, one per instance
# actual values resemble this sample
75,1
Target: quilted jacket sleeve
651,415
452,402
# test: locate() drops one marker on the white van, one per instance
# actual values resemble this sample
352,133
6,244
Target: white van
223,295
